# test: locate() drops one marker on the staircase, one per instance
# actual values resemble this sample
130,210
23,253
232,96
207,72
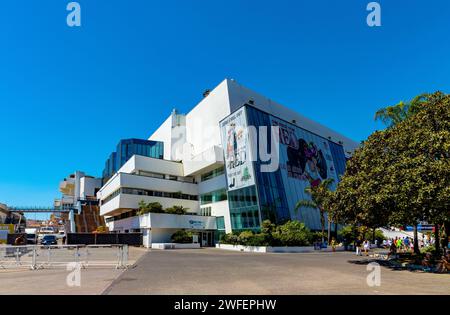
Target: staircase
89,219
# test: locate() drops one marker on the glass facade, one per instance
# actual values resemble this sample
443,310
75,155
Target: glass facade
337,151
129,147
214,196
271,192
244,210
305,160
214,173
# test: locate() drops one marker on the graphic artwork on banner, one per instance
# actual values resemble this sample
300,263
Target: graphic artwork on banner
236,144
308,157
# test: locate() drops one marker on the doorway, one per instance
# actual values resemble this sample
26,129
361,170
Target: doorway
207,238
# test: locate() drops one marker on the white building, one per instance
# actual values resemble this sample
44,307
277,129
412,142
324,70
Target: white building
75,189
203,171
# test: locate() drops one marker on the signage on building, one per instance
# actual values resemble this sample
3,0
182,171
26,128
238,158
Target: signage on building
196,224
237,153
5,229
305,160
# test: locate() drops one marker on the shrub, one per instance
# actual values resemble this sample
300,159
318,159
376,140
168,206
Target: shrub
230,238
177,210
182,237
152,207
245,237
293,233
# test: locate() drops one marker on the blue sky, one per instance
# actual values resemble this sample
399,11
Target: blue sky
68,95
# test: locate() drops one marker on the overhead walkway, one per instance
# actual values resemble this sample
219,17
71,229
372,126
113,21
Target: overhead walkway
39,210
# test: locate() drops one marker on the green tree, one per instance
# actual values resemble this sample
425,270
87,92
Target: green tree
319,198
392,115
401,175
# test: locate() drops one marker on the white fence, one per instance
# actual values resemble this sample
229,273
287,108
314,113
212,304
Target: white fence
59,256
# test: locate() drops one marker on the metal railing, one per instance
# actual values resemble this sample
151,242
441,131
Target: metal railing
37,257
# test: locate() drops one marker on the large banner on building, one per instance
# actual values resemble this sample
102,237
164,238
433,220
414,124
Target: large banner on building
305,161
237,150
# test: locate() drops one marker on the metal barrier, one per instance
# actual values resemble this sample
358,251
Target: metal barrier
39,257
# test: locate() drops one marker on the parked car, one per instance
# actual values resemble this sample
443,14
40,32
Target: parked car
31,239
49,240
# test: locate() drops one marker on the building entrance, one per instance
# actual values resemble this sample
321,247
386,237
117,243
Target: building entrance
207,239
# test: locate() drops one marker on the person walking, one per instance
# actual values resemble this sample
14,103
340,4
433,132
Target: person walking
333,244
366,247
358,246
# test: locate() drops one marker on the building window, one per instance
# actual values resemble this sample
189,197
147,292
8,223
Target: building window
214,196
214,173
220,221
143,192
206,212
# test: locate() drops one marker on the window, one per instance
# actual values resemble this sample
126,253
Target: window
144,192
214,196
205,211
214,173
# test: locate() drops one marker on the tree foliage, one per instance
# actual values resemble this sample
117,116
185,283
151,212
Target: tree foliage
320,196
401,175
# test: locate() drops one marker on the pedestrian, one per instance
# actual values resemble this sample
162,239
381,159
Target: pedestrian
358,247
366,247
333,244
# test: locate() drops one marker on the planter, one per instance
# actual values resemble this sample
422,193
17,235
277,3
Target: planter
164,246
270,249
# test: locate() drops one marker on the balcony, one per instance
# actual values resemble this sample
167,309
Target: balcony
209,159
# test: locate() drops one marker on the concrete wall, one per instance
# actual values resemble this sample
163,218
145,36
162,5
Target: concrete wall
202,122
239,95
163,134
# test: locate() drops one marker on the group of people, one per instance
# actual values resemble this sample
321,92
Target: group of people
362,245
442,266
404,244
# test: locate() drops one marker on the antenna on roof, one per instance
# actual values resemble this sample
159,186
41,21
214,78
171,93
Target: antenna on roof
206,93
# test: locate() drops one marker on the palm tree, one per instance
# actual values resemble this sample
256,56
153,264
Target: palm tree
393,115
319,195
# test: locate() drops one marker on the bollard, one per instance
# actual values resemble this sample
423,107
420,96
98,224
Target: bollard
125,256
33,260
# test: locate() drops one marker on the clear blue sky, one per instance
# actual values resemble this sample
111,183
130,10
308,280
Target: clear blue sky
68,95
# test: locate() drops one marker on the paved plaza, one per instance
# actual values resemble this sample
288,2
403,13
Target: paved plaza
213,271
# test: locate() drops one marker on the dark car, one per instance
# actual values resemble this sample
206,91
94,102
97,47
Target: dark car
31,238
49,240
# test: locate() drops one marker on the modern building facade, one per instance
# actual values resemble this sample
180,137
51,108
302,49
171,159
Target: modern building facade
77,190
126,149
210,165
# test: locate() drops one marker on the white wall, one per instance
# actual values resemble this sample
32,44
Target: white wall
88,186
163,134
221,209
239,95
122,201
148,164
202,121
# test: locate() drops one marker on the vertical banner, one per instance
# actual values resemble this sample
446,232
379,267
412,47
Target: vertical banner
237,150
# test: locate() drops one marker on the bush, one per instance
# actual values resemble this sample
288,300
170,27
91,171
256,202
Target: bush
152,207
293,233
230,238
177,210
245,237
182,237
